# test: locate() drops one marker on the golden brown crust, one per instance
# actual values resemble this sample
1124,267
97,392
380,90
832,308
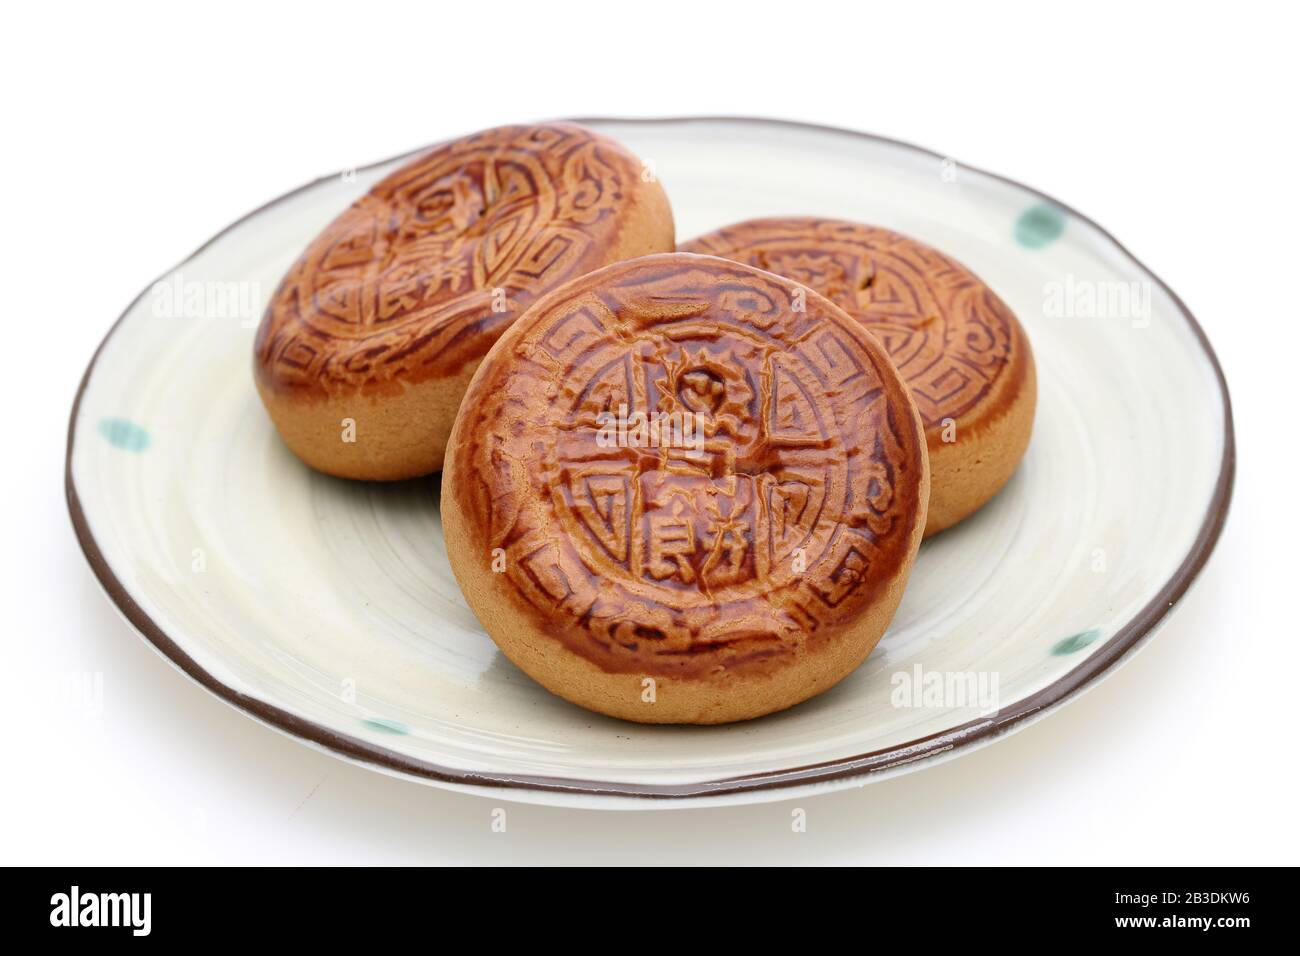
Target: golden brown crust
745,560
958,346
385,315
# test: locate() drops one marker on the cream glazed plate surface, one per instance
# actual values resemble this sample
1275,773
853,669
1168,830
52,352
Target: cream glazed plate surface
327,608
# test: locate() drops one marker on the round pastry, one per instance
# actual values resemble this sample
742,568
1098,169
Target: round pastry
684,490
368,344
960,349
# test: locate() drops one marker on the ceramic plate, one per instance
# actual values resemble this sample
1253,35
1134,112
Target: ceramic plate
327,608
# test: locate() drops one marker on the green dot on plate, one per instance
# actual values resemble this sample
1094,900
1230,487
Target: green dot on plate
1076,642
386,725
124,434
1039,225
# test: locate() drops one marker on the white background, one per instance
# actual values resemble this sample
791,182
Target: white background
134,133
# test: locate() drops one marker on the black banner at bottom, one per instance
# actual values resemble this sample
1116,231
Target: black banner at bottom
336,905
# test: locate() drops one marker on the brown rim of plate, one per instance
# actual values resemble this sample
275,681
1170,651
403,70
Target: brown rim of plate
1125,640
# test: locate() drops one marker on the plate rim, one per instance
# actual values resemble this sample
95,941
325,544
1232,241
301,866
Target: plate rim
846,771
